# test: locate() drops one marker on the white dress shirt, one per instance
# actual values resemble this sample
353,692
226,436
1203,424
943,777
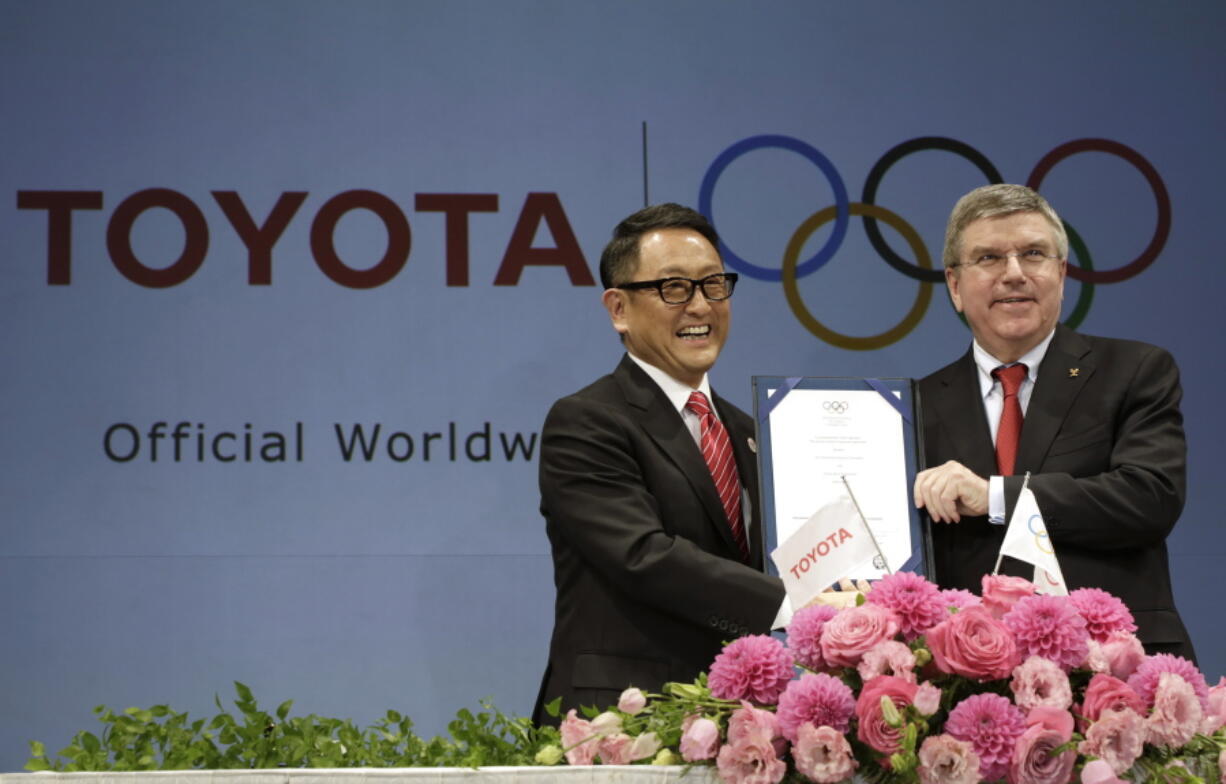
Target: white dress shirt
994,401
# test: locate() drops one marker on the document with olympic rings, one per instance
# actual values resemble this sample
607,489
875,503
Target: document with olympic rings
822,430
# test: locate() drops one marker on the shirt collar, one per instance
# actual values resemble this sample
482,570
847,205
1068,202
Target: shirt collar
986,363
678,393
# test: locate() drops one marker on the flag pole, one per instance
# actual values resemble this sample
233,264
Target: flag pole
999,556
864,520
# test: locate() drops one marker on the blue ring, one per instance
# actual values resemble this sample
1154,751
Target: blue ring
841,203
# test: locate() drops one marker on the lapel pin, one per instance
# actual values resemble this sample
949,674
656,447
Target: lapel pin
753,445
1072,372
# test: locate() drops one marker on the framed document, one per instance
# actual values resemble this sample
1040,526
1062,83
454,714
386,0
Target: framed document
820,439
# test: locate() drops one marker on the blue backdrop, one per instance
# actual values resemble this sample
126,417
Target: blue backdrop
297,224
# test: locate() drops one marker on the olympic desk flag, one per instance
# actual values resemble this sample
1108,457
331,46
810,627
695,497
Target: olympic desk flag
826,548
1027,540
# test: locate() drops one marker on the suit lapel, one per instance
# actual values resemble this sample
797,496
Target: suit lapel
1064,372
666,428
960,410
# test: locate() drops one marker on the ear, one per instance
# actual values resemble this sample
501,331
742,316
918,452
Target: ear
952,281
614,301
1063,272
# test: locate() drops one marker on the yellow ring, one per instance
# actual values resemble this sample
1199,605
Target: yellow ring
792,254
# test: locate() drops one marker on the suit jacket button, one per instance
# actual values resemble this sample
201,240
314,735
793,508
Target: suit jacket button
713,621
723,626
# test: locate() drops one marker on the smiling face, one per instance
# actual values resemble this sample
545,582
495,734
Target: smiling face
1010,311
682,340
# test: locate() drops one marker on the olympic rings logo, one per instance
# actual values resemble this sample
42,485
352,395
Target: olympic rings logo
835,406
1041,539
922,269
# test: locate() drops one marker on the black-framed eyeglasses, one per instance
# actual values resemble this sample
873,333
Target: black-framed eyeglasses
679,291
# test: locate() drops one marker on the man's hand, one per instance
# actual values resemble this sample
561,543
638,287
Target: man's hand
950,491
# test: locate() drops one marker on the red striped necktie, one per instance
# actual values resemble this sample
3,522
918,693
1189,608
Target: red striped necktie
1009,432
717,451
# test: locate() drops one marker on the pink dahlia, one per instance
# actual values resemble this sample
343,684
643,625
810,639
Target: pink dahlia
805,635
959,598
992,725
1145,680
889,657
755,668
944,759
1104,613
1038,681
1177,712
1049,626
823,755
917,602
820,699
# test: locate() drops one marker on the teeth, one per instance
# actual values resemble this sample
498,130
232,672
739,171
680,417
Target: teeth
696,332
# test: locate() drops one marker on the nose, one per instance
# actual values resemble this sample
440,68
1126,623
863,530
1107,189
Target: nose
698,303
1013,268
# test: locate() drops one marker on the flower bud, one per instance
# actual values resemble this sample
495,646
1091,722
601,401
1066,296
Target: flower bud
607,723
548,755
889,712
632,701
666,757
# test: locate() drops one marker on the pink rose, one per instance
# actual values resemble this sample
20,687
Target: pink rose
873,729
615,749
700,741
1106,692
1120,654
1000,593
973,644
632,701
577,736
1039,681
749,756
853,632
1033,761
1117,739
943,759
927,699
823,754
1057,720
1099,772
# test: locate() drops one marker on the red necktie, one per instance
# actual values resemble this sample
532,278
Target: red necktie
1010,430
717,451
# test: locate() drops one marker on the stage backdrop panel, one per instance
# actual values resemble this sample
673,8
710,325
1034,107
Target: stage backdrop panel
288,289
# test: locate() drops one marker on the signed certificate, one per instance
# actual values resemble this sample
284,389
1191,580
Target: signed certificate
816,434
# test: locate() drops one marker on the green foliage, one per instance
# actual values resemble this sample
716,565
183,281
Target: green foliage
159,738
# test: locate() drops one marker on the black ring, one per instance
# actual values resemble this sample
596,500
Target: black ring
878,171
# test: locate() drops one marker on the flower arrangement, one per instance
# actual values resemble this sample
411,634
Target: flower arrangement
919,685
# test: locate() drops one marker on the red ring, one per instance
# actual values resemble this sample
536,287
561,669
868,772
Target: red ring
1161,231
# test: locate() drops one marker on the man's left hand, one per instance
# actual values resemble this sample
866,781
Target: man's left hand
950,491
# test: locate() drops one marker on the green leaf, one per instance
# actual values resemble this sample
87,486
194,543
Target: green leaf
283,709
244,693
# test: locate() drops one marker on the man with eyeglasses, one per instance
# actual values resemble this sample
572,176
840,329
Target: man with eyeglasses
649,482
1095,421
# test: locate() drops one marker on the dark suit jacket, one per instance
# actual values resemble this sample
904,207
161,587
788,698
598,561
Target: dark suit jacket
649,581
1103,440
